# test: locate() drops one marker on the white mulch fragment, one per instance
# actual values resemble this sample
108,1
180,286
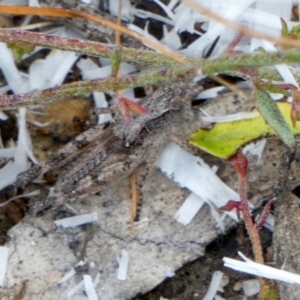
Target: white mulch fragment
89,287
214,285
24,140
251,267
9,173
218,297
77,220
171,39
144,32
166,9
217,91
278,8
17,82
147,14
86,1
229,118
90,71
28,195
251,287
3,116
232,12
126,11
189,209
123,265
197,175
169,274
3,263
67,276
51,71
210,93
33,3
97,280
101,102
282,69
270,222
8,152
78,287
256,148
14,2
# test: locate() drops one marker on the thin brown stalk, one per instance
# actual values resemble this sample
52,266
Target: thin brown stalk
67,13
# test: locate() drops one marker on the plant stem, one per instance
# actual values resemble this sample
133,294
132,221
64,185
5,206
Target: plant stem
164,75
209,67
253,233
91,48
240,163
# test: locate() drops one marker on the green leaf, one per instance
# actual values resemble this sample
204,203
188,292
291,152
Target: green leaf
20,48
284,30
271,113
225,139
295,32
115,58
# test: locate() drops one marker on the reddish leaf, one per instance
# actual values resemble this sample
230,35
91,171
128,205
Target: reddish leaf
264,215
231,205
126,106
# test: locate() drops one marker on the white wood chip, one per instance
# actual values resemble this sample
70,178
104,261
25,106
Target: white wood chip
3,116
24,140
7,152
100,101
3,264
123,265
283,69
50,72
77,220
97,280
67,276
260,270
256,148
217,297
232,12
16,81
189,209
169,274
9,173
89,287
229,118
171,38
198,177
214,285
78,287
147,15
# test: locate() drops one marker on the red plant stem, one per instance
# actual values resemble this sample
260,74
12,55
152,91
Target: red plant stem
253,233
240,163
264,215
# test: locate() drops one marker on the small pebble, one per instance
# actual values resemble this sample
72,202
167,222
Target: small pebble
237,286
251,287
